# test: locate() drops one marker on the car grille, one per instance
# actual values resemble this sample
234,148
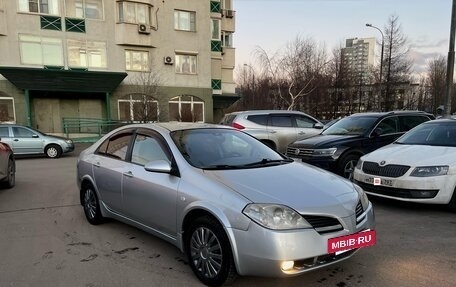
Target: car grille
293,151
323,224
390,170
395,192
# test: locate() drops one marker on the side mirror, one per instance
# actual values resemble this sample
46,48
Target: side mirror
318,126
160,165
377,132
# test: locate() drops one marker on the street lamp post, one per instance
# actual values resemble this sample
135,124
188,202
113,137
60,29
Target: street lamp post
381,56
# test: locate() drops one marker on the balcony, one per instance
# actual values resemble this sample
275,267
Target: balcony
2,23
228,61
228,20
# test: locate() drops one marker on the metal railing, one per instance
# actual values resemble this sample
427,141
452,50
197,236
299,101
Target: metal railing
89,129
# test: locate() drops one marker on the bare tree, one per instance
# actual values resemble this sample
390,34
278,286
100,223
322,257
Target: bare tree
293,72
398,64
436,80
146,90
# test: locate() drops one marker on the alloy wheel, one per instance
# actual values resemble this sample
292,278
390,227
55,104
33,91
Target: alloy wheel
90,203
206,252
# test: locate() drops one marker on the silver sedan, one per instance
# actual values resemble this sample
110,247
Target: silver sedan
233,205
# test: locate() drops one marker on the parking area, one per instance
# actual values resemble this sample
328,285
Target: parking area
45,240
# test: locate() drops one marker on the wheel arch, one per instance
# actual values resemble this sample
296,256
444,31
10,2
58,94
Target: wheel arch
87,181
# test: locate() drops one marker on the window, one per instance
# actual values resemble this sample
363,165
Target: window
136,60
90,9
23,133
227,4
227,39
135,13
388,126
184,20
281,121
50,7
147,149
259,119
409,122
87,54
139,108
7,111
186,109
116,146
36,50
215,29
304,122
4,132
186,64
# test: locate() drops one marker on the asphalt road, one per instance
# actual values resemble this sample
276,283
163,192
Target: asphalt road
46,241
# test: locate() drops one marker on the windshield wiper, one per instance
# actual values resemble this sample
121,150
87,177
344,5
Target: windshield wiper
267,161
220,166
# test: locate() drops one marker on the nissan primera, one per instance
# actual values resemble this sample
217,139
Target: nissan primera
229,202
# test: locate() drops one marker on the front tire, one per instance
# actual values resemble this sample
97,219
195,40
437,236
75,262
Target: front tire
53,151
347,164
209,252
452,204
91,205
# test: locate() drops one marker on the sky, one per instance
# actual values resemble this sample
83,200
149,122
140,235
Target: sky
270,24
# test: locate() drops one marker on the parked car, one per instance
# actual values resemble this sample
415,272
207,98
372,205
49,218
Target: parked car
339,147
277,129
231,203
25,140
7,166
420,166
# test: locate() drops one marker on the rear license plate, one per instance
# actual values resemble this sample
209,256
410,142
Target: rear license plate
345,243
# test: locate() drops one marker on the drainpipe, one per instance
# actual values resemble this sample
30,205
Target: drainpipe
108,106
27,108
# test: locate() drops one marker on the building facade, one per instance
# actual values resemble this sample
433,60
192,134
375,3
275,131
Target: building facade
130,60
357,58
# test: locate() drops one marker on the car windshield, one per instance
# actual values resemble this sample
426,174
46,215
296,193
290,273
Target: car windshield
351,126
224,149
436,134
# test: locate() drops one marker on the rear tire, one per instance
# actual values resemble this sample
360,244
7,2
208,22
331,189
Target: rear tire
91,205
209,252
10,179
53,151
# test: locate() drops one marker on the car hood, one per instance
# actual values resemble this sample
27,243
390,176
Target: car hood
413,155
323,141
307,189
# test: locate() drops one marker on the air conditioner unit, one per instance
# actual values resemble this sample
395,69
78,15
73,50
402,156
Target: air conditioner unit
143,29
229,13
168,60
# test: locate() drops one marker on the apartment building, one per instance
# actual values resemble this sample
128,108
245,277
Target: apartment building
135,60
357,57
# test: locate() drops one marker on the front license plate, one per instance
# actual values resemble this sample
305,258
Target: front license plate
379,181
344,243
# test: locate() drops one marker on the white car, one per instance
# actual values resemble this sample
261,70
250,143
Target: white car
420,166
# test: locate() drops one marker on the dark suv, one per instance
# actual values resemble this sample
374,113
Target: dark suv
339,147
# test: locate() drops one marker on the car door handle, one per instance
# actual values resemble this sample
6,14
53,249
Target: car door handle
272,132
128,174
16,140
97,164
301,133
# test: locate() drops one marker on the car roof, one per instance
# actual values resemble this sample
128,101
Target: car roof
383,114
175,126
252,112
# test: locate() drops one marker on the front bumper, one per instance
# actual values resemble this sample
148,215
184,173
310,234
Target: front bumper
433,190
68,147
260,251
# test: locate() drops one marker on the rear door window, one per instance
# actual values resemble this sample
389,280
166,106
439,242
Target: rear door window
259,119
4,133
281,121
409,122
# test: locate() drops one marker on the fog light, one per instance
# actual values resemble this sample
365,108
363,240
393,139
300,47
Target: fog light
287,265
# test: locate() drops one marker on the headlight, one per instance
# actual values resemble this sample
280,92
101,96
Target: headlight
324,151
69,141
362,196
424,171
274,216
